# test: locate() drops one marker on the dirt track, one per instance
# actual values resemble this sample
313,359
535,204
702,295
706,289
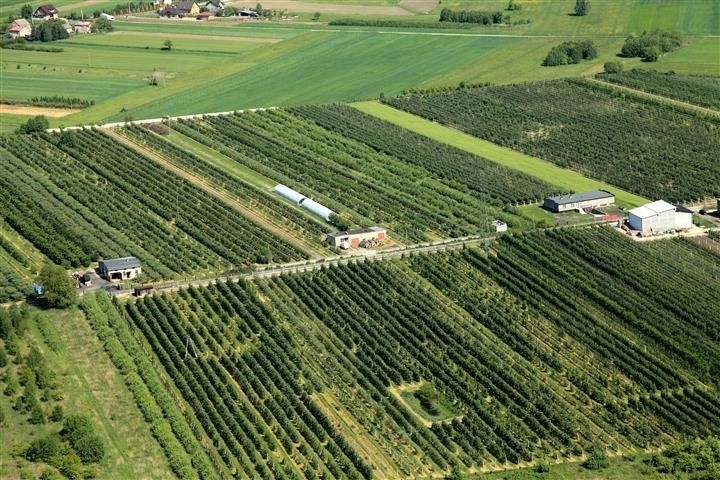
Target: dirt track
26,110
420,6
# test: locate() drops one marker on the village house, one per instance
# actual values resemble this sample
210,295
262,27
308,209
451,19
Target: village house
19,28
45,12
214,6
82,27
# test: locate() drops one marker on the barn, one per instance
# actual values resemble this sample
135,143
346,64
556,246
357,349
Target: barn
117,269
364,237
576,201
659,217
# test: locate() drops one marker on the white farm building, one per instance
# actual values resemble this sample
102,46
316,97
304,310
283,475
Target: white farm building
659,217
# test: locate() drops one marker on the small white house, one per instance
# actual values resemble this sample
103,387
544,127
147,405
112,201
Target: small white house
500,226
107,16
659,217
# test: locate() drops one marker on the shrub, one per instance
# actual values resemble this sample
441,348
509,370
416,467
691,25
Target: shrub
570,53
613,67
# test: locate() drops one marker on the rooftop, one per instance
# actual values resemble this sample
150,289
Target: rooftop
356,232
114,264
652,209
581,197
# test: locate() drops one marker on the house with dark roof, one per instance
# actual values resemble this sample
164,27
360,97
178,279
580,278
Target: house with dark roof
118,269
46,12
214,6
579,201
188,8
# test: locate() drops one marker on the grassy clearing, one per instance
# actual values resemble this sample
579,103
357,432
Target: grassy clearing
10,123
563,178
224,163
91,385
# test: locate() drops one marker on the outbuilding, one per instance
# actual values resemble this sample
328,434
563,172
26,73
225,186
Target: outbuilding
45,12
19,28
499,225
117,269
578,201
364,237
659,217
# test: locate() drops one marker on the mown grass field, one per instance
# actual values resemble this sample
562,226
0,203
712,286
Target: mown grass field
563,178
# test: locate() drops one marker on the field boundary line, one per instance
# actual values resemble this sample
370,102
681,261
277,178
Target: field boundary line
536,167
690,107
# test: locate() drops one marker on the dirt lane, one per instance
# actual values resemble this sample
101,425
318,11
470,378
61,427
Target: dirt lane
28,110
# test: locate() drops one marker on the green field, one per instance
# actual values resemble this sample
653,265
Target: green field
563,178
329,67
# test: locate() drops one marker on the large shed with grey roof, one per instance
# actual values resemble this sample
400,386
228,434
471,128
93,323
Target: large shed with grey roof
576,201
118,269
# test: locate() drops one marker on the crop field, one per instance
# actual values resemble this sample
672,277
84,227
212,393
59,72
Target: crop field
294,376
411,197
108,200
599,132
697,90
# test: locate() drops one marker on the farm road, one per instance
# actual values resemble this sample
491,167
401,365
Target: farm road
312,265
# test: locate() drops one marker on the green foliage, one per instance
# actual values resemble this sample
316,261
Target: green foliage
167,45
57,413
49,30
59,289
35,125
582,126
513,6
3,356
698,90
78,431
456,473
428,398
102,25
44,448
582,7
650,46
570,53
613,67
26,12
471,16
596,460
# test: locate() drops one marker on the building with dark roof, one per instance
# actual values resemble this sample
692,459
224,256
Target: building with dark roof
576,201
44,12
117,269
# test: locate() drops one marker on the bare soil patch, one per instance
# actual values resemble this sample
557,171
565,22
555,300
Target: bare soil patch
420,6
191,36
27,110
293,6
